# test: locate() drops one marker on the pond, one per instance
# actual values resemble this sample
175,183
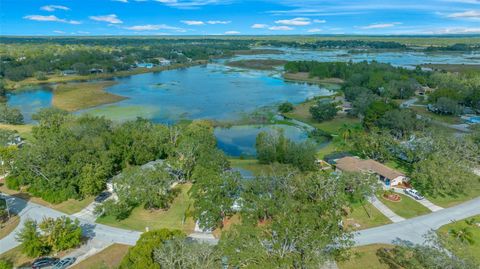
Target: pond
30,101
240,140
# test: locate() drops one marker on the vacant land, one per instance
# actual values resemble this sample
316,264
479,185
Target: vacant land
16,257
305,77
364,257
363,217
406,207
109,258
259,64
77,96
471,192
453,67
472,249
176,217
253,166
70,206
7,227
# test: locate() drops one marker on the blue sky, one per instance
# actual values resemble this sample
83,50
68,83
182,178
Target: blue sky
241,17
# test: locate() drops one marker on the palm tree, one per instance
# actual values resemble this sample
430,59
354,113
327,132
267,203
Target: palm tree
346,132
464,235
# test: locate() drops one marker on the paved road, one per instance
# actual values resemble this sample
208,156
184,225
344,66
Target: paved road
414,229
28,210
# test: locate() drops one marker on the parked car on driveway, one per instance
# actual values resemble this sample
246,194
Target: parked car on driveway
64,263
102,196
413,193
44,262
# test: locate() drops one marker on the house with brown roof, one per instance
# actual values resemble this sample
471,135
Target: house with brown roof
387,175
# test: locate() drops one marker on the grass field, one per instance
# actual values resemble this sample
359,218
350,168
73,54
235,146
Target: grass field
473,191
77,96
24,130
422,111
364,257
359,216
305,77
109,258
253,166
70,206
259,64
468,250
7,227
173,218
406,207
454,67
16,256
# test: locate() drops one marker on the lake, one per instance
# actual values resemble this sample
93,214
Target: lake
222,93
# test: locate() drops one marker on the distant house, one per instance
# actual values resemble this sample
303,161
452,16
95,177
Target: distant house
68,72
387,175
145,65
96,71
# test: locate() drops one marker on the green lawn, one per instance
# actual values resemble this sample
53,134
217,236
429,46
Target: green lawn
471,192
16,256
468,250
364,257
109,258
173,218
397,166
359,216
437,117
406,207
253,166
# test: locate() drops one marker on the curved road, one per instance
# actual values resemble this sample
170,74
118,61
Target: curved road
28,210
411,229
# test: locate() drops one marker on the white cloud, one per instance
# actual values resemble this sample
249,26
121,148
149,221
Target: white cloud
123,1
59,32
295,22
380,25
54,7
83,32
112,18
259,26
49,18
470,14
219,22
314,30
281,28
319,21
232,32
152,27
192,4
458,30
193,22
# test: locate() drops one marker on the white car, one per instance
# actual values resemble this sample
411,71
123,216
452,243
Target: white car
414,193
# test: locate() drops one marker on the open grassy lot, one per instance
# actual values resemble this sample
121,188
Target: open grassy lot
70,206
259,64
422,111
176,217
7,227
24,130
77,96
406,207
473,191
16,256
469,250
252,165
454,67
364,217
109,258
305,77
334,126
364,257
